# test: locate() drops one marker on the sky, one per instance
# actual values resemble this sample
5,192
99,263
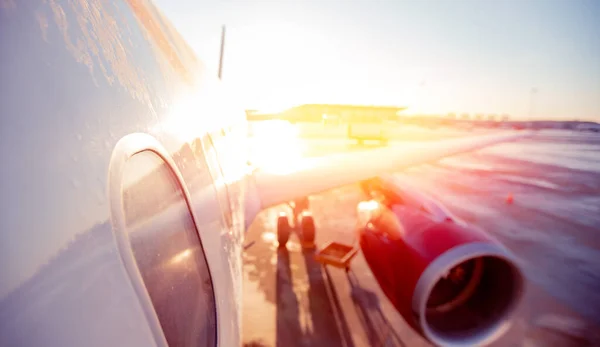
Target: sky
530,59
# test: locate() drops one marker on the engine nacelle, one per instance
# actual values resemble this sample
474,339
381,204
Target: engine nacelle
451,282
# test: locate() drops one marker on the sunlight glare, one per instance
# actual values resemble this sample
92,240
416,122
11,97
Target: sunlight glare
370,205
268,237
276,146
201,110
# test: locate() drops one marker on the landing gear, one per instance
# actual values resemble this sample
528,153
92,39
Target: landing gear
303,224
284,229
307,231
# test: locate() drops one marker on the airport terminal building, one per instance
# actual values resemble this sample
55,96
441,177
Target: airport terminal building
363,123
345,113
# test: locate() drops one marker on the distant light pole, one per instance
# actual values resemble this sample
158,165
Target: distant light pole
222,51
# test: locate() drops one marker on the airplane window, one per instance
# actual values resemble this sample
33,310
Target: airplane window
168,252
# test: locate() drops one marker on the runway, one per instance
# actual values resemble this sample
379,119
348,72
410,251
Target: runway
551,225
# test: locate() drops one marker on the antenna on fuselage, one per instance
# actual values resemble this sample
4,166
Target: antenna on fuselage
222,51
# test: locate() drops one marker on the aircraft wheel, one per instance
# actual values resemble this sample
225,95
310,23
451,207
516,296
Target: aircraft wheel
283,229
308,230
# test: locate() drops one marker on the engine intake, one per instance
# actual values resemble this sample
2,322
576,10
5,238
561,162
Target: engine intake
468,295
453,283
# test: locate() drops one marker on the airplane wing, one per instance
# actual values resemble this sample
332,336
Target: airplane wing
315,175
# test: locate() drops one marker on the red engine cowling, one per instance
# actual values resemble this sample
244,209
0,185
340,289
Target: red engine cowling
450,281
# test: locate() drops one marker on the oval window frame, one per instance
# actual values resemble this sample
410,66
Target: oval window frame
127,147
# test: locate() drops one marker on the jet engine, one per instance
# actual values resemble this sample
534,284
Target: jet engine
451,282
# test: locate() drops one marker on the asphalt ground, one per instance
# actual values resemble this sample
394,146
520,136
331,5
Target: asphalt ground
290,300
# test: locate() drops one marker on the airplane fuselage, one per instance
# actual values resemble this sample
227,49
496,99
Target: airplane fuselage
77,77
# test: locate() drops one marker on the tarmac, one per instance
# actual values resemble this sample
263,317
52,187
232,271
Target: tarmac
291,300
